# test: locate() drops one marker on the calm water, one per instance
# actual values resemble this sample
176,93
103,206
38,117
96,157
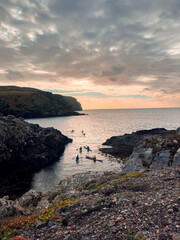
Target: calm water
98,126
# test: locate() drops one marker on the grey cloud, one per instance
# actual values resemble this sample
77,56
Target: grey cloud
113,79
11,75
108,42
90,35
115,70
118,69
5,16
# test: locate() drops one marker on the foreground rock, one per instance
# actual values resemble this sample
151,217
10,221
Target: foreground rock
108,206
33,103
146,149
25,148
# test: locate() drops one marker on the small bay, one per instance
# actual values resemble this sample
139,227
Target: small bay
93,129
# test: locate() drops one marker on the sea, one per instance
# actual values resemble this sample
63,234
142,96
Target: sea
93,129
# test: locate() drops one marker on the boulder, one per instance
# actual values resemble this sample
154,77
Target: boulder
9,208
134,162
176,160
162,159
30,198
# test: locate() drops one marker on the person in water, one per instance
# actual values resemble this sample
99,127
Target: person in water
77,158
80,149
88,148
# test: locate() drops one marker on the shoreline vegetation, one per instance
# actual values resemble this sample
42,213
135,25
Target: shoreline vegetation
140,203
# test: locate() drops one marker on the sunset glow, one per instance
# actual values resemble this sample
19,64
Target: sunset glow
106,54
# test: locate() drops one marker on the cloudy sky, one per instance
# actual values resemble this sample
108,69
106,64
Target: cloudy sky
105,53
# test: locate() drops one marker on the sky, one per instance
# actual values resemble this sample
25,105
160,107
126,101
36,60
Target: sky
105,53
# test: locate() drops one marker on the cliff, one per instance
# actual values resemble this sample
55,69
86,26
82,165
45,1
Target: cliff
34,103
24,149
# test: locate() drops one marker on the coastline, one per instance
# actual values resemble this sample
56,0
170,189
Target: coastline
141,203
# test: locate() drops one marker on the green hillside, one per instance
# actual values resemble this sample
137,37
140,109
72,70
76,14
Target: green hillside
31,102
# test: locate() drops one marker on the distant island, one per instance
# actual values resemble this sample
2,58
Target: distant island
33,103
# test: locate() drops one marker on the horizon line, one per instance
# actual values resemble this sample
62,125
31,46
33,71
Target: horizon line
129,108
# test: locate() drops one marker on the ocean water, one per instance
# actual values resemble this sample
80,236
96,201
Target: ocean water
93,129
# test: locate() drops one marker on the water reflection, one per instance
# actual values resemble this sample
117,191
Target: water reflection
98,126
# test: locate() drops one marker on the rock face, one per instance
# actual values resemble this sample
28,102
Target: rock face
147,149
26,147
176,160
32,103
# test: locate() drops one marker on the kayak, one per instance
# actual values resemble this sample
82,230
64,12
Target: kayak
91,158
87,148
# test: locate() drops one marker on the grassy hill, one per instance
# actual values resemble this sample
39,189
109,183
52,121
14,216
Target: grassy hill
31,102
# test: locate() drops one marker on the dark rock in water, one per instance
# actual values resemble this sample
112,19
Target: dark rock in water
154,131
33,103
146,149
26,148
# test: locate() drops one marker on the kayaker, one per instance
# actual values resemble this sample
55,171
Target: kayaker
94,157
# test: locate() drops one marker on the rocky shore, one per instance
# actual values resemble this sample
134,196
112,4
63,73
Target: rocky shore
140,203
131,206
146,149
24,149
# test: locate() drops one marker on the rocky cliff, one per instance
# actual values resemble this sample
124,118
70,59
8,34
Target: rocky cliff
25,148
146,149
32,103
